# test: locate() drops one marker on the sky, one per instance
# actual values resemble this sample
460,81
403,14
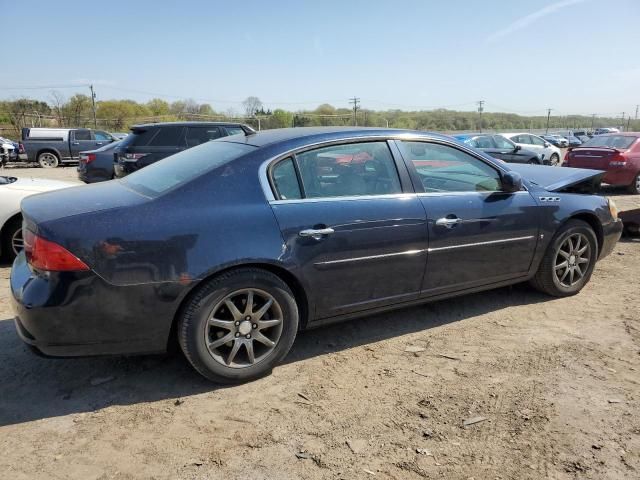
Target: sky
521,56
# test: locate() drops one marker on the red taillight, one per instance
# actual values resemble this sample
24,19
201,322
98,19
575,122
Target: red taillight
45,255
88,157
132,157
20,148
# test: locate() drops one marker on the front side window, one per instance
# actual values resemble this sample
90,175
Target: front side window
537,141
503,143
349,170
102,136
481,142
234,130
442,168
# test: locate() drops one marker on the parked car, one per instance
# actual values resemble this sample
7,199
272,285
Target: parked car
550,154
500,147
97,165
631,221
556,140
52,146
8,151
12,191
616,153
152,142
571,138
237,244
605,130
120,135
586,134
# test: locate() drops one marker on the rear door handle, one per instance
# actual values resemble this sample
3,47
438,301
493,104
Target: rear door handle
448,222
316,233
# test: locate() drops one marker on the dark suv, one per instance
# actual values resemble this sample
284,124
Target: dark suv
152,142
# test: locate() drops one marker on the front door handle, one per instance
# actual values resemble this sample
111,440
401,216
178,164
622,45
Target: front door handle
448,222
99,143
75,143
316,233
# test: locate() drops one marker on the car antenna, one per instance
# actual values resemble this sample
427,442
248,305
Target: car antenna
248,130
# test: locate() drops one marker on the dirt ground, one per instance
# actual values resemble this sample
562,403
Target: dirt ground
550,387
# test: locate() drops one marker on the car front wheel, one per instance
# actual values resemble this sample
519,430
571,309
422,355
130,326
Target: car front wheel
569,260
238,325
48,160
12,242
554,159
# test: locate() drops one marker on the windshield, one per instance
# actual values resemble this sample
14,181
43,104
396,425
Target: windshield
183,167
622,142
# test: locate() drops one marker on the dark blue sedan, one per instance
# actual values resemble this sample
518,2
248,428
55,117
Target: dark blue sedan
232,247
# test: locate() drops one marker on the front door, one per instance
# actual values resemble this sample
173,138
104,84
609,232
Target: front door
478,235
81,141
353,232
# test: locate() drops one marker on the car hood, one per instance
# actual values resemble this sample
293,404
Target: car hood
35,185
559,179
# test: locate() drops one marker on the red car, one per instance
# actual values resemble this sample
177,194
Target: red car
616,153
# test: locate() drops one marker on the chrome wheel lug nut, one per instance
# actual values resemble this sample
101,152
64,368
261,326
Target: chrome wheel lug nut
237,324
248,336
255,325
247,317
237,334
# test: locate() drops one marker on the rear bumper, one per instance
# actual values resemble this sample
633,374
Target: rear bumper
78,314
610,235
619,176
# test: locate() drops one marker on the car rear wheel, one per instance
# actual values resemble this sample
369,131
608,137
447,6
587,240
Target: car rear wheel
12,242
554,159
238,325
533,161
48,160
634,188
569,260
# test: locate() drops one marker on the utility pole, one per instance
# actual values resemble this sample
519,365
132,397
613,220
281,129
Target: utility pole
93,104
480,110
548,116
355,101
593,119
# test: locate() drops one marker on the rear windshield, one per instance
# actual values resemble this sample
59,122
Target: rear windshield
183,167
611,141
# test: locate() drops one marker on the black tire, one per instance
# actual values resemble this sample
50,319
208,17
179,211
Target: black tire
546,280
533,161
194,332
554,159
10,230
48,160
634,188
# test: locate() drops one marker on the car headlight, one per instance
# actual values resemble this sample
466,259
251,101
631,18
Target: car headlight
613,208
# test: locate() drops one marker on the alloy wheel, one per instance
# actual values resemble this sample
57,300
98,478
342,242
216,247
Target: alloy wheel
244,328
572,260
17,242
48,160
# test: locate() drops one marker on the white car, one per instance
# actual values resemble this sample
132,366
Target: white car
551,154
12,191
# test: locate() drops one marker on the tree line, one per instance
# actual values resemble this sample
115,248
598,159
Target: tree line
119,115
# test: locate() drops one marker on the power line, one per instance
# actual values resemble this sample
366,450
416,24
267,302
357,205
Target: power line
548,117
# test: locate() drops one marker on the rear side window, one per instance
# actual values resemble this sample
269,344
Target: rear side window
285,180
139,138
82,135
234,130
179,169
198,135
168,137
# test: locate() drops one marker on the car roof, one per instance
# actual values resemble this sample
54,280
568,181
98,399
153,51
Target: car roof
311,134
186,124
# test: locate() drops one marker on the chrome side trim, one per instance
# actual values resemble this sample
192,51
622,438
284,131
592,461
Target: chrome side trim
457,194
491,242
344,199
371,257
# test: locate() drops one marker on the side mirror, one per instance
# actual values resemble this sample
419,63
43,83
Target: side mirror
511,182
517,149
547,144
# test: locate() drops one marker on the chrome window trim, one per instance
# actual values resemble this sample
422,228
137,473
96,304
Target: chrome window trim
456,194
372,257
490,242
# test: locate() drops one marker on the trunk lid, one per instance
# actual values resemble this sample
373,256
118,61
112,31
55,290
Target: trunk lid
559,179
592,157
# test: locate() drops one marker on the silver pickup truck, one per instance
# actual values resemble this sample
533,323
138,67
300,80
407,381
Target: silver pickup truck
49,147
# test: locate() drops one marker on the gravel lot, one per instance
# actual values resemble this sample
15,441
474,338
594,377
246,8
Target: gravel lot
551,388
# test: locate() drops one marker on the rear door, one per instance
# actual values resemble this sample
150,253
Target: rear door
164,141
80,140
353,228
478,235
